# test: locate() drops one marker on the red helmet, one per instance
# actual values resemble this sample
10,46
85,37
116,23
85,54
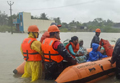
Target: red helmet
53,28
97,30
33,28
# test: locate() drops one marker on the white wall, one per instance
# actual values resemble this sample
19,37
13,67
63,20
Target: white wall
26,21
42,24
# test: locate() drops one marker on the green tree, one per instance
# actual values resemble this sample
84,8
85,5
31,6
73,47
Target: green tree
57,20
109,23
64,25
3,18
14,16
43,16
98,20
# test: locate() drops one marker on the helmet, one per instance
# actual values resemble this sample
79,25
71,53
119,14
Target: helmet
53,28
58,25
55,24
33,28
97,30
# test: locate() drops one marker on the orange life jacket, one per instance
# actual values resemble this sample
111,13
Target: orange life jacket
49,53
75,48
107,46
28,53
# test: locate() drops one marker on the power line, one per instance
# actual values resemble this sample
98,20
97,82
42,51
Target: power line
65,6
10,4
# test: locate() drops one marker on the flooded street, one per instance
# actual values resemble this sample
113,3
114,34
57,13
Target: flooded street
11,57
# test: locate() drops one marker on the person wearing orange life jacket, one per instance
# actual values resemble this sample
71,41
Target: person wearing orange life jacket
73,46
46,34
53,54
96,38
31,50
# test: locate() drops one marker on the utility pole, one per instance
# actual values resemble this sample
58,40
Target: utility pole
10,4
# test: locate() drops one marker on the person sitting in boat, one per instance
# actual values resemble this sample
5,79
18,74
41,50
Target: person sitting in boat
73,47
54,53
102,50
31,50
83,52
46,34
95,54
96,38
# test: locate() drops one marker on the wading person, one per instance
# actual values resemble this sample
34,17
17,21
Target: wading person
53,54
116,58
31,50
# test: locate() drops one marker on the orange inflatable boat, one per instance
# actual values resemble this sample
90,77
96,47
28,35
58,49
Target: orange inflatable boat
88,72
89,50
19,69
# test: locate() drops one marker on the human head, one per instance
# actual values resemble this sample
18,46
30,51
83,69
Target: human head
74,40
98,31
81,43
102,50
33,29
54,31
95,47
55,24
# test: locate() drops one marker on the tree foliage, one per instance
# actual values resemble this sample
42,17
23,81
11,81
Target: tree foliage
57,20
104,25
43,16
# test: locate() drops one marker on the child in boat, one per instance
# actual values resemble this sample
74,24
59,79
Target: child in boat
95,54
82,51
102,50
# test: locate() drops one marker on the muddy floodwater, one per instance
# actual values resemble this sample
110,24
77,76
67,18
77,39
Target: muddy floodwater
11,57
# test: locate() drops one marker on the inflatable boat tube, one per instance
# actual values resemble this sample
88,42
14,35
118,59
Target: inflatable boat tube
89,50
88,72
19,69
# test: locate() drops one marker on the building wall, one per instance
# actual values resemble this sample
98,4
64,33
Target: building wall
42,24
26,21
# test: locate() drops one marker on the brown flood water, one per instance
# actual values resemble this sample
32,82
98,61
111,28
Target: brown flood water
11,57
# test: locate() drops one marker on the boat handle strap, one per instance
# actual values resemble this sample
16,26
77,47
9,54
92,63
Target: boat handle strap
92,69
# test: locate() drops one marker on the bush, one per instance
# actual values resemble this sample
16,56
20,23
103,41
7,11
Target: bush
63,29
6,28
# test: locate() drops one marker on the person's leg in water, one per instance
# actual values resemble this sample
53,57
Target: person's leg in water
52,70
58,68
48,74
118,70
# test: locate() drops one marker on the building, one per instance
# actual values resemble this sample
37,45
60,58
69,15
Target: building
116,25
24,21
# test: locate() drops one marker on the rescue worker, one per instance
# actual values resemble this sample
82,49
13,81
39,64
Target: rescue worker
54,52
95,54
31,50
46,34
96,38
73,46
116,58
83,52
